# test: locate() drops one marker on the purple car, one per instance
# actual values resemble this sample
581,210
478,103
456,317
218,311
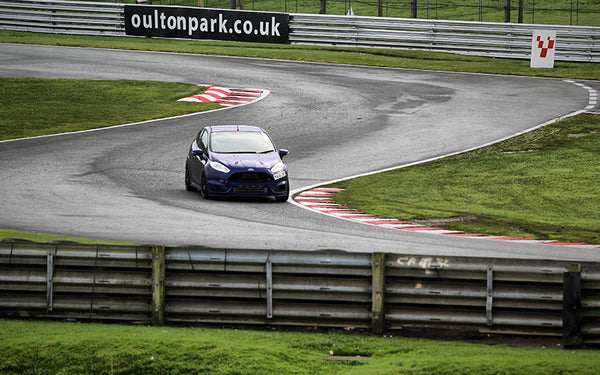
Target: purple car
236,160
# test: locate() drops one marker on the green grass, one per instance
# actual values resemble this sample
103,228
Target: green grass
37,347
356,56
543,184
42,237
33,106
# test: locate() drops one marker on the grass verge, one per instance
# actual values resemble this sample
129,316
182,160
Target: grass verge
37,347
357,56
543,185
41,237
34,106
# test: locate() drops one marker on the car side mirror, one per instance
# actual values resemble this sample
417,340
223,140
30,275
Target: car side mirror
283,152
198,152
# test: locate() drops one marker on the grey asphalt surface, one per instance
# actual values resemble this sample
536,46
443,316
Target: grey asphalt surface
126,183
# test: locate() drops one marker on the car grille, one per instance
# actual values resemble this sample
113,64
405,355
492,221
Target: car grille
250,177
250,190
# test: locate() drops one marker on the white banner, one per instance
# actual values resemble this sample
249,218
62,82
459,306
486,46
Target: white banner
543,45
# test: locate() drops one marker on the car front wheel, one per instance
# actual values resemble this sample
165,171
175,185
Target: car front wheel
188,185
204,186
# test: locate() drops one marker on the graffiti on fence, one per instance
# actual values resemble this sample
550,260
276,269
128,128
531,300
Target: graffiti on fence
423,262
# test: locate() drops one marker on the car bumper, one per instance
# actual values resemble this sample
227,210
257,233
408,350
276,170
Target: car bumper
227,188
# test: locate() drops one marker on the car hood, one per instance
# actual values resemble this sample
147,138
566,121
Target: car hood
234,161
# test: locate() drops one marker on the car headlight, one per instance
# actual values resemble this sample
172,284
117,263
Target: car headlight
278,167
218,166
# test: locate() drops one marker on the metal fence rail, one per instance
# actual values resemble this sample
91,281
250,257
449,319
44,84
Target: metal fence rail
375,291
486,292
473,38
262,287
63,17
507,40
75,281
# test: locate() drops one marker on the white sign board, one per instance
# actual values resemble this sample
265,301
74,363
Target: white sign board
543,45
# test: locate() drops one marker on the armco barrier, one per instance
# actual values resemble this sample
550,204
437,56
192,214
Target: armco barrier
63,17
75,281
507,40
510,40
168,285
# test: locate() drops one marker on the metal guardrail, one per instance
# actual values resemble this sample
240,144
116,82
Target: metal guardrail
75,281
168,285
506,40
63,17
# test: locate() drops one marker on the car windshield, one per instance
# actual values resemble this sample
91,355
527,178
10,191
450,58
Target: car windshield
241,143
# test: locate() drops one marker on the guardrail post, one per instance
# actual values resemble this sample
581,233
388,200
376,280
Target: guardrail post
489,304
571,329
269,278
378,292
49,280
158,285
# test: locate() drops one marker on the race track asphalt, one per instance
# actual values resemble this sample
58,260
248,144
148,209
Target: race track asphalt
126,183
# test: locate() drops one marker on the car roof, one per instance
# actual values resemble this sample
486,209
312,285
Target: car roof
235,128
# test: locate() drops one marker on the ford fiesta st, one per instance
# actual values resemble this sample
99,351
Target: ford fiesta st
236,160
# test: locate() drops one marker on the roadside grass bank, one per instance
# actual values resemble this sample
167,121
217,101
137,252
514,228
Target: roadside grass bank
354,56
41,347
543,185
41,237
35,106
